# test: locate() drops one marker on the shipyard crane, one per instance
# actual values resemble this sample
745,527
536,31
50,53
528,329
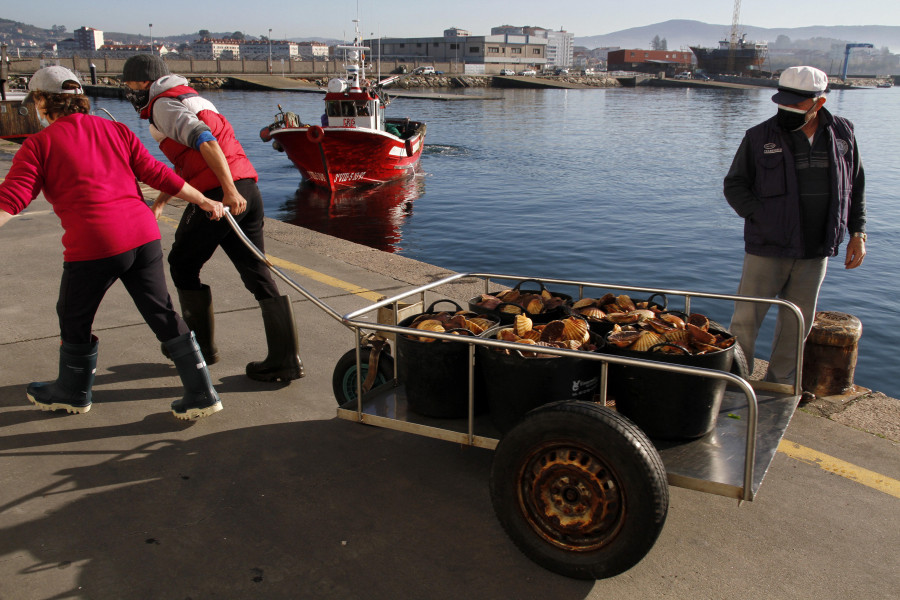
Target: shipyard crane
733,39
847,57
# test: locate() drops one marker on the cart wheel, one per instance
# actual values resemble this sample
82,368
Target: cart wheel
580,489
739,364
343,382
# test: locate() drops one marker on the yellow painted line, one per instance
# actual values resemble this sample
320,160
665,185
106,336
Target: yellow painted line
326,279
874,480
310,273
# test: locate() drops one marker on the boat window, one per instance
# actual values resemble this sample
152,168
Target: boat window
333,109
362,109
348,109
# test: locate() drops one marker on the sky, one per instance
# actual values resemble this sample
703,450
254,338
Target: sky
429,18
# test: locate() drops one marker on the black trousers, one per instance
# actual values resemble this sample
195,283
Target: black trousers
84,284
197,238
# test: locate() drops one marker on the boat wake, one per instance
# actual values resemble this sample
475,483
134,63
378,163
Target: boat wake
445,150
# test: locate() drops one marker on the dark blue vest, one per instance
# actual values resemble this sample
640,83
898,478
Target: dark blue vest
775,228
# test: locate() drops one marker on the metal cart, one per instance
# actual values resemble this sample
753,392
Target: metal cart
578,487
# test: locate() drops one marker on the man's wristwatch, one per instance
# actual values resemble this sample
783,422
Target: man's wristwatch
860,234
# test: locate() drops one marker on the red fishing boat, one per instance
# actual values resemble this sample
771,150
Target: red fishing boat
355,145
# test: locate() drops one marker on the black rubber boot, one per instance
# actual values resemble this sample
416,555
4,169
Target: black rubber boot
72,389
283,362
197,312
200,399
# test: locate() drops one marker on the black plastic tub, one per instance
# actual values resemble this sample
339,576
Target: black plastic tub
435,373
666,405
513,384
506,318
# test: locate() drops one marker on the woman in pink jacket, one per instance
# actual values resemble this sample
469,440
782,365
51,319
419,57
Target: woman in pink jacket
88,167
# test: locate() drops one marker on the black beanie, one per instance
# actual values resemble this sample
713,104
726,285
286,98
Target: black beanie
144,67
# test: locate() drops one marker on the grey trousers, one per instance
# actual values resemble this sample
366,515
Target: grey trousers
791,279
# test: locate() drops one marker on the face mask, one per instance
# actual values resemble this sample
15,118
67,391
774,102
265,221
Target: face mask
138,98
793,119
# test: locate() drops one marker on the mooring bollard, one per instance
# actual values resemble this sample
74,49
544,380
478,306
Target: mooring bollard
829,358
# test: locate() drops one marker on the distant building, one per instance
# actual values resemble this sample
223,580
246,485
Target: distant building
494,52
312,50
649,61
260,49
88,39
215,48
560,44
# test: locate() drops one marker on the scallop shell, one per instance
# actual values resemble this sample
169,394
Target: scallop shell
699,320
725,342
660,326
584,302
699,335
678,336
576,329
535,306
643,314
533,335
508,295
591,312
475,327
455,322
545,295
511,309
623,338
482,322
647,340
507,335
522,325
623,318
675,320
553,331
625,302
609,298
487,301
430,325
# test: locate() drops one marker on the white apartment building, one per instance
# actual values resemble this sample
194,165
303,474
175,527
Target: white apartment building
214,48
312,50
88,39
260,49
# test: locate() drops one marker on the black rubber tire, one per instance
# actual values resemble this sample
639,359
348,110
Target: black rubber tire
579,460
343,381
739,364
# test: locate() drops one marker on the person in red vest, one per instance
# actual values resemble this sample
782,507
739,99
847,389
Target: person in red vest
86,168
203,148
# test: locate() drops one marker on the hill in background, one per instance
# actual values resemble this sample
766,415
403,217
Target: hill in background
681,33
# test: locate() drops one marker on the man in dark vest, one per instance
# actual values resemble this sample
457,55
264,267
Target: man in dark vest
203,148
798,182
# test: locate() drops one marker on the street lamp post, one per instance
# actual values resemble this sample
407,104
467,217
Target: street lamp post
151,38
270,51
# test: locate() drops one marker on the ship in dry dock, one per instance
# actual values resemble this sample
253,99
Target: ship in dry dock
745,57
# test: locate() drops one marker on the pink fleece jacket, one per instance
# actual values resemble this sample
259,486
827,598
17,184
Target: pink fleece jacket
86,167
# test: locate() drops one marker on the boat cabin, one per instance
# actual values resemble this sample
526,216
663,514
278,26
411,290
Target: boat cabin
348,104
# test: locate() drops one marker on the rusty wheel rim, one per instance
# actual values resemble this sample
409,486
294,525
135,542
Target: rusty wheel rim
570,497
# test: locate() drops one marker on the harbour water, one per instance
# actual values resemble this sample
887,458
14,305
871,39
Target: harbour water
612,185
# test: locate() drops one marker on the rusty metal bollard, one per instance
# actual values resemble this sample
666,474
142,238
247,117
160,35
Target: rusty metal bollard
829,358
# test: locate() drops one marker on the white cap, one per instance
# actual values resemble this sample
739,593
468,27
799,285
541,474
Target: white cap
797,84
52,80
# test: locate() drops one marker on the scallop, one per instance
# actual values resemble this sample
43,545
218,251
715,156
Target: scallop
522,325
699,335
699,320
576,329
623,338
625,302
535,306
647,340
584,302
553,331
591,312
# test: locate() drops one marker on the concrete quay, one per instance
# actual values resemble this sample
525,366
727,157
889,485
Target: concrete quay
276,498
